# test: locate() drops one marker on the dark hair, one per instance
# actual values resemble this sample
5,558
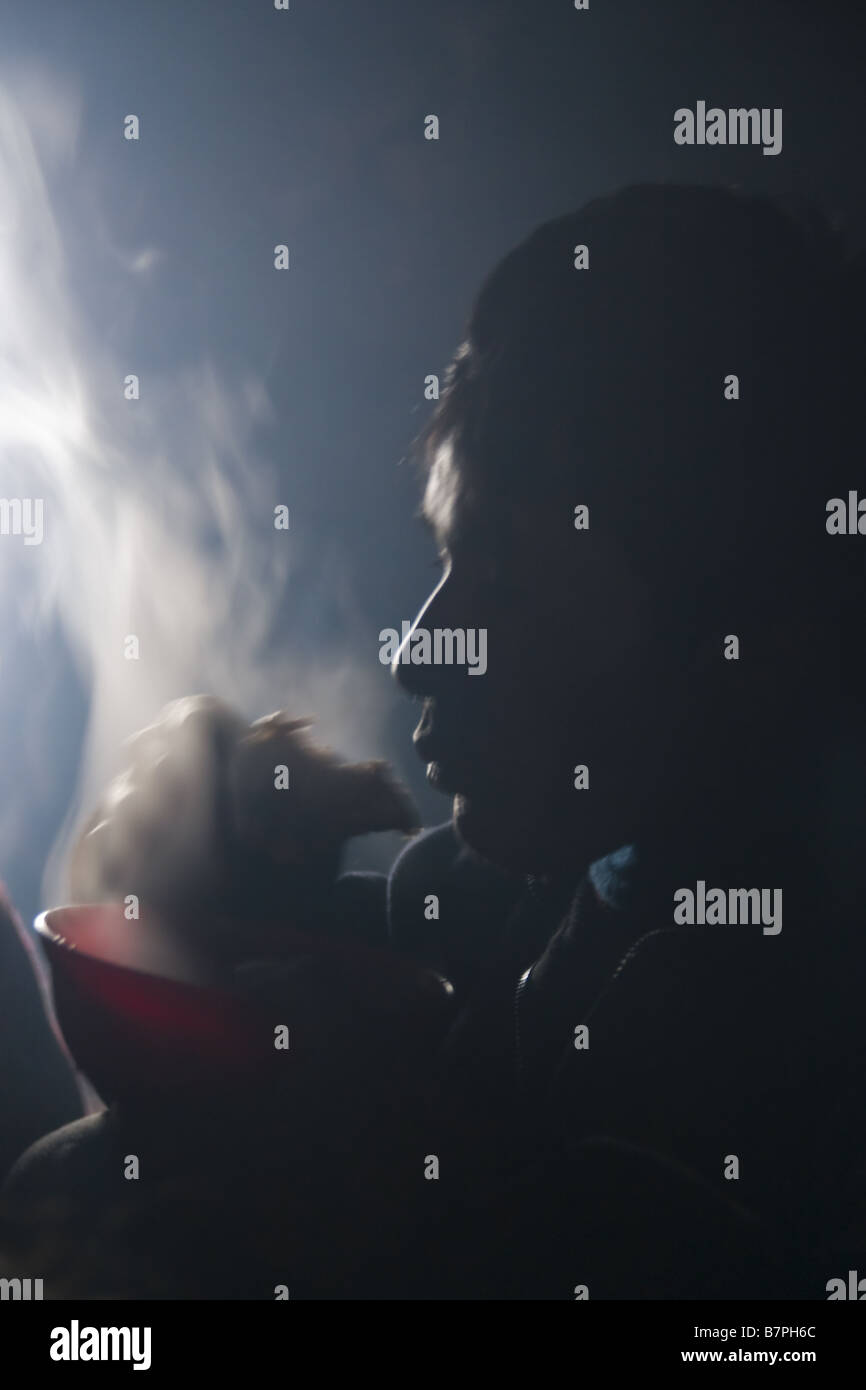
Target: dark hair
626,361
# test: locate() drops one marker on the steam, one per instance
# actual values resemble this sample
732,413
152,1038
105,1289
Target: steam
158,512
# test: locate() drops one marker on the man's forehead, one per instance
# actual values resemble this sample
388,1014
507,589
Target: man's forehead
466,512
439,507
457,509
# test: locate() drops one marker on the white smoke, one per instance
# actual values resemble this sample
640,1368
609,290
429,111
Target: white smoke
159,515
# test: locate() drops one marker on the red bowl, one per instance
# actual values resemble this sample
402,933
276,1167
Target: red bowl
144,1016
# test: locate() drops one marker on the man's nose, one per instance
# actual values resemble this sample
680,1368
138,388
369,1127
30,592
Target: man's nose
421,679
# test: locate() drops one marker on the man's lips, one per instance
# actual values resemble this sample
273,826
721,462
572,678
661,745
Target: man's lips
425,747
436,778
444,772
450,746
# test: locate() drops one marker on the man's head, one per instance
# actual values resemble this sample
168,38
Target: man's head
611,388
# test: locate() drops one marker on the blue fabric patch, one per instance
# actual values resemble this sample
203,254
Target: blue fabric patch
613,876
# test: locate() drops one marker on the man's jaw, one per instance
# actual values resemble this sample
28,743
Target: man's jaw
495,832
530,837
520,831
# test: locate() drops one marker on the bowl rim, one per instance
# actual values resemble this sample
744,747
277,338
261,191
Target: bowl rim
43,926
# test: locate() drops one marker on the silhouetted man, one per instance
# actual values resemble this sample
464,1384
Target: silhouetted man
630,478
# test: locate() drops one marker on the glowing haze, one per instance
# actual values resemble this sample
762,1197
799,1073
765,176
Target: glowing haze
158,512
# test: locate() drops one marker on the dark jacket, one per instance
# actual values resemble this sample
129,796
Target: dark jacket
718,1069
